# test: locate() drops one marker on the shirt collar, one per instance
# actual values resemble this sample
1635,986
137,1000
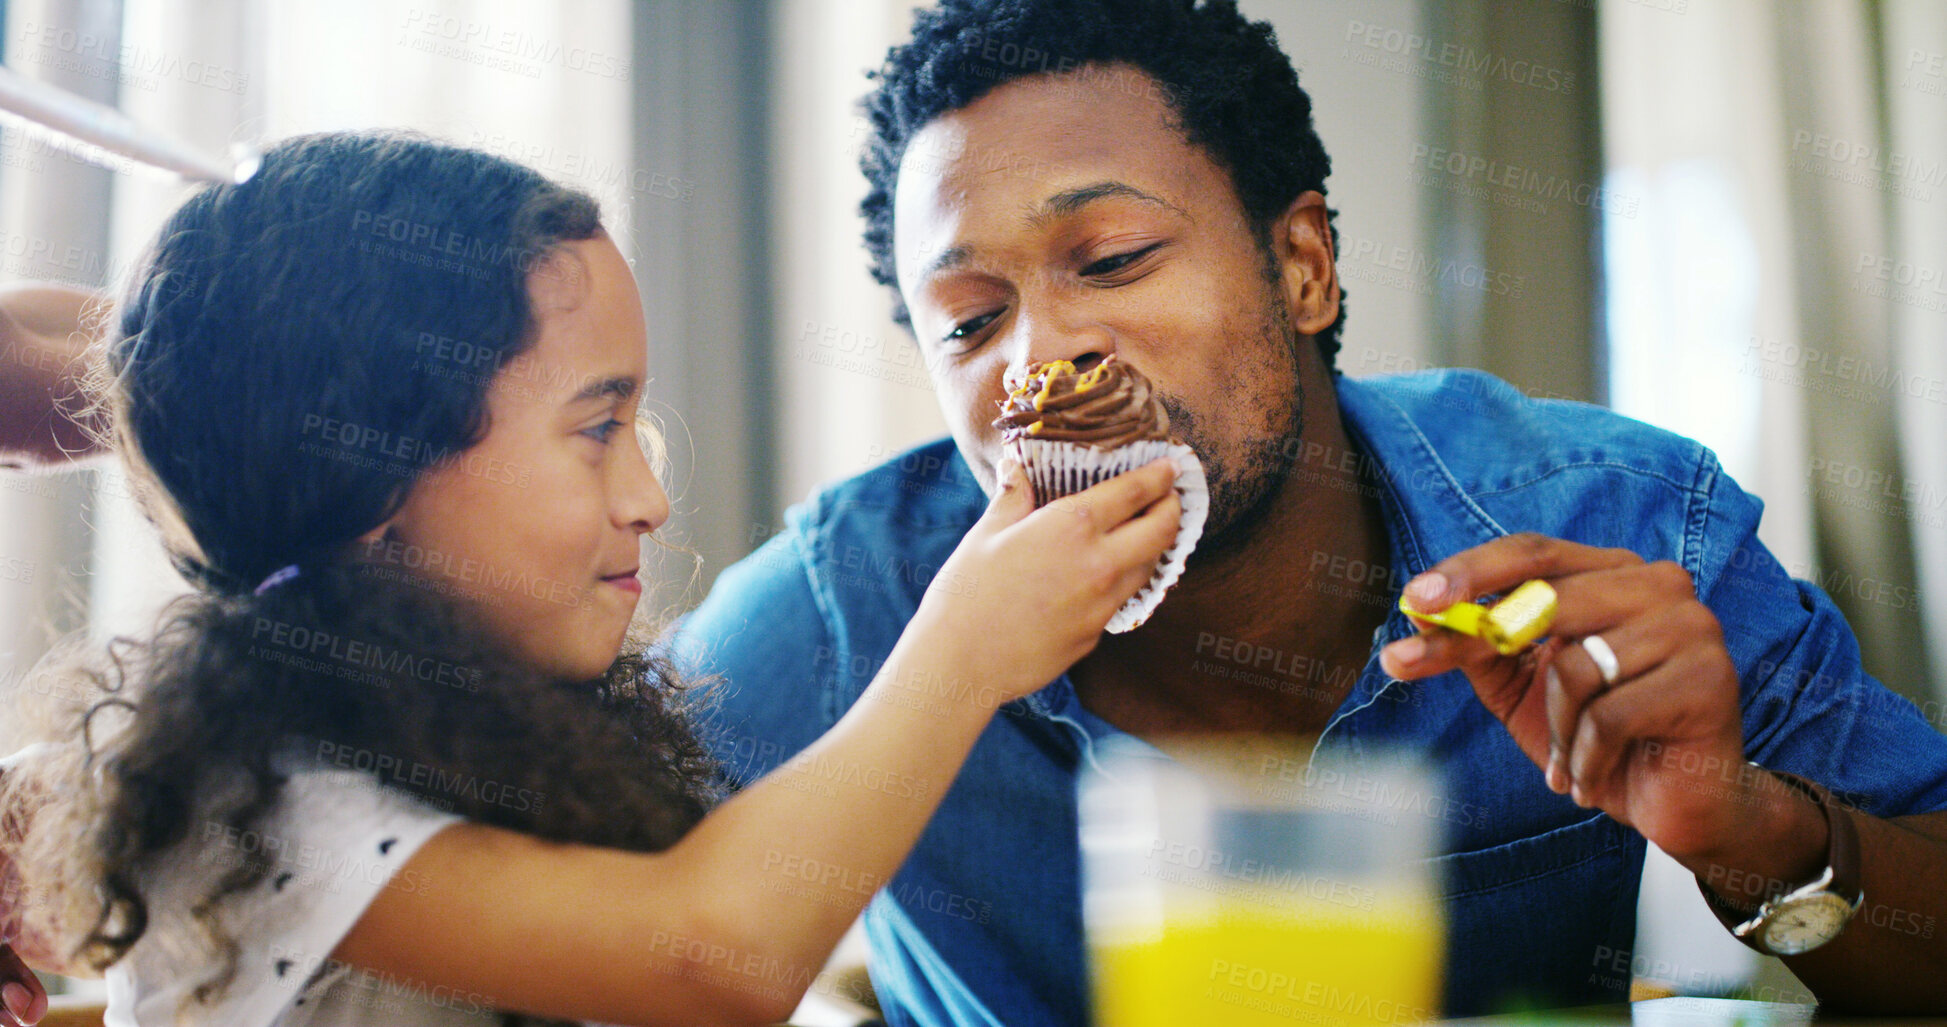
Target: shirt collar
1431,512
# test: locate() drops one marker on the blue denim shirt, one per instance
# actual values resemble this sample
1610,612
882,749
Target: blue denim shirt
983,924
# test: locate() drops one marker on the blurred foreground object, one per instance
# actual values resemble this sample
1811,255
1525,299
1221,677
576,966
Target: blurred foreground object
100,133
1217,892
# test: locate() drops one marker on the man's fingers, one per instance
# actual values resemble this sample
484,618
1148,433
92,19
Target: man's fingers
1109,503
1505,562
1658,705
1434,651
1595,601
1575,678
1555,703
1506,686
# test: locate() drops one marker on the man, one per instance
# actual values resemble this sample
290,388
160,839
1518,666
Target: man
1078,178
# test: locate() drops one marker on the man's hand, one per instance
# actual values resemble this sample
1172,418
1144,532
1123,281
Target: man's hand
1660,746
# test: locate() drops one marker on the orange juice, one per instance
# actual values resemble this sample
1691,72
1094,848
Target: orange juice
1252,957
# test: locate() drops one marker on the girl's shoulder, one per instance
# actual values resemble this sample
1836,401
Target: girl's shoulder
336,837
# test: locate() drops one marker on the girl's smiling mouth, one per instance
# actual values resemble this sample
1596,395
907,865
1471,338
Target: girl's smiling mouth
626,581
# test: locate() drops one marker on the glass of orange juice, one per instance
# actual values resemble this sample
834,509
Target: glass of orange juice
1250,884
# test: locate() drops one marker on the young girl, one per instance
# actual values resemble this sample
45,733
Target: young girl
394,761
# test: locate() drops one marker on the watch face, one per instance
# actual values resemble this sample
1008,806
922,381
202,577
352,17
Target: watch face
1804,924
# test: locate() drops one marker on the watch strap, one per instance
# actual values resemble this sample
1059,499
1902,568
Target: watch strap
1842,851
1841,860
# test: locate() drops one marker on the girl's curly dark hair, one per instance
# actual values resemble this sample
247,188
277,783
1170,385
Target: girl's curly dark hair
308,295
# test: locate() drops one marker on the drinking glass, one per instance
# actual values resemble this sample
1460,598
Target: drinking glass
1253,884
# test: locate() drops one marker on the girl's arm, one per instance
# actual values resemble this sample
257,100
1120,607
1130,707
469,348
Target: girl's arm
731,924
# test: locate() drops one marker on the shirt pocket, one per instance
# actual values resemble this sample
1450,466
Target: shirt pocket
1540,921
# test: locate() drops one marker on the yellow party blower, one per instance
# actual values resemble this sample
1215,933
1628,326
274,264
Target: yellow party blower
1510,625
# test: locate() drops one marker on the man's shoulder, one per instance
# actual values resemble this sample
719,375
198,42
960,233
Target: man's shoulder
1510,462
1493,437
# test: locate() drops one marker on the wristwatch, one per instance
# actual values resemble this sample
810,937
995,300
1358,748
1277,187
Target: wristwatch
1804,918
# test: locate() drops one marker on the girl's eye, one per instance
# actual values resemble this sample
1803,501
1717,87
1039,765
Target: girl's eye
1110,265
965,329
603,432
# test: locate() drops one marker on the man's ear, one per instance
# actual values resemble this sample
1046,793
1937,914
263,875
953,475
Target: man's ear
1301,240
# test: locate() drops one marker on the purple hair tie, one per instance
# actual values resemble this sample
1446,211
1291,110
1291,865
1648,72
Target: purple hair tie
277,577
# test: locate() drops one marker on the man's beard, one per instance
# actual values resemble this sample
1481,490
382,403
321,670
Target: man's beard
1244,488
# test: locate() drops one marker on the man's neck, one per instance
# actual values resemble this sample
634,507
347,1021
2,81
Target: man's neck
1271,634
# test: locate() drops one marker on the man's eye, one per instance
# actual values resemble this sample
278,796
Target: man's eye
965,329
1110,265
604,431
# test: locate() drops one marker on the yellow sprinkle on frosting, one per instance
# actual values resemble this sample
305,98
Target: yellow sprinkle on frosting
1054,369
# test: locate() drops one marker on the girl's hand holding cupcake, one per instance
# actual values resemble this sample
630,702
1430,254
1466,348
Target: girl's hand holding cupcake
1072,427
1029,591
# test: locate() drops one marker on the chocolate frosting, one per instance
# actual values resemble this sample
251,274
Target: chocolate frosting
1108,405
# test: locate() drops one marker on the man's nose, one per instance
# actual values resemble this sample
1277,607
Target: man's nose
1047,338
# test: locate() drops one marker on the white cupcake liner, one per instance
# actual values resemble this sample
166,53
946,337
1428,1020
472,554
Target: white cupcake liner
1057,469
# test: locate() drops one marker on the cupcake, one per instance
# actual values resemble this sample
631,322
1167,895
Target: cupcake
1071,429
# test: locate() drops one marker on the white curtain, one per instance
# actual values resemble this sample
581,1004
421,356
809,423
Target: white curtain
851,386
1780,297
547,84
1913,70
